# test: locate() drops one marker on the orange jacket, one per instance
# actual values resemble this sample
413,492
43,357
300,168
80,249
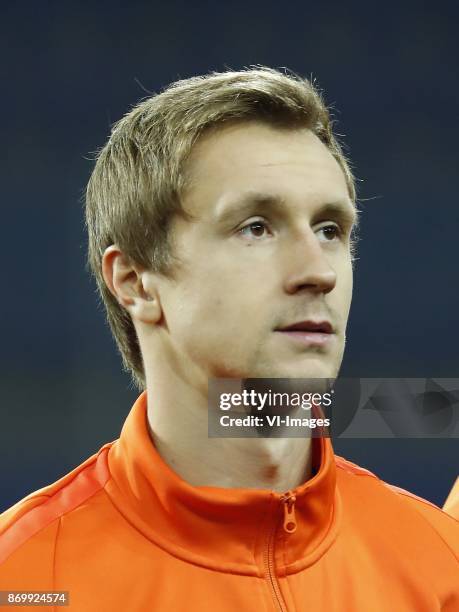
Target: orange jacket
124,532
451,505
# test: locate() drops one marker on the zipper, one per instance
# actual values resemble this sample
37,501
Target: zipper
288,501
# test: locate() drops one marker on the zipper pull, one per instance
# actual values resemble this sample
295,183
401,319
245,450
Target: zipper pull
289,500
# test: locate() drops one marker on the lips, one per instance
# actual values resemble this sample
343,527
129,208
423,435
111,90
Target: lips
310,334
324,327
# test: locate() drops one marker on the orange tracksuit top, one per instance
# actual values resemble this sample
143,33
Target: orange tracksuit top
124,532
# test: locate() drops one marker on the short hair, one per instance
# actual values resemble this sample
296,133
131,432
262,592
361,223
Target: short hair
137,183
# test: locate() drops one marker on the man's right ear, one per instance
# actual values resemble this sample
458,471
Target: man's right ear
125,280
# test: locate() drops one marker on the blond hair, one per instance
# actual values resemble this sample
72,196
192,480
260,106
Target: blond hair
136,186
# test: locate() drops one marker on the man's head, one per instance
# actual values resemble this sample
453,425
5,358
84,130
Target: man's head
219,212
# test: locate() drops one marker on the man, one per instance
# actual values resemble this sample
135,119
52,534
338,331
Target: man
221,217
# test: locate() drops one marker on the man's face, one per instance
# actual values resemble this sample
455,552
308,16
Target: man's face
269,248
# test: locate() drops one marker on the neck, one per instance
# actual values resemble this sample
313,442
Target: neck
177,420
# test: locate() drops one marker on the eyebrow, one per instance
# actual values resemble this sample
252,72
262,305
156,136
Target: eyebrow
262,202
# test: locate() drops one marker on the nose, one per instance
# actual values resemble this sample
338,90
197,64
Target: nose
308,266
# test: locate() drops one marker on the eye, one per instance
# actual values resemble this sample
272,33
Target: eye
255,229
330,232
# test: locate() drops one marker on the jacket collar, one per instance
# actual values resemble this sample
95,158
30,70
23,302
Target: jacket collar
220,528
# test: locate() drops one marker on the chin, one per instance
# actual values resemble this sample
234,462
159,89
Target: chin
313,368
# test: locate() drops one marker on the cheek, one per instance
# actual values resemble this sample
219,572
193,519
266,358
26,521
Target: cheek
216,301
346,276
211,334
350,285
196,314
347,298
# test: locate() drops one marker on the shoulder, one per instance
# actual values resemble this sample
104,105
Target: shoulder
31,526
411,515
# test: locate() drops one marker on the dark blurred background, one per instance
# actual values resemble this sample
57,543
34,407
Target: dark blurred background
70,70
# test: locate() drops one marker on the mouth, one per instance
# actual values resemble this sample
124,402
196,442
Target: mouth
309,333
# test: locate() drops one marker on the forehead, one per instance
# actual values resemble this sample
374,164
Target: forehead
287,163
